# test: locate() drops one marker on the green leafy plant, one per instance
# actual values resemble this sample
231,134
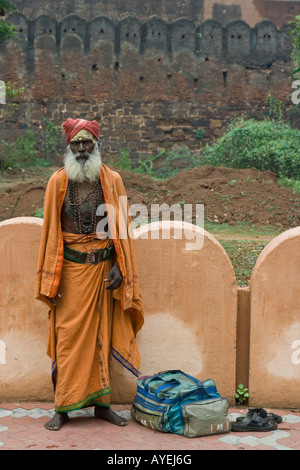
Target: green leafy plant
265,145
12,92
162,165
275,107
172,161
290,183
124,161
6,6
146,167
22,153
242,394
39,213
51,141
6,29
199,134
295,35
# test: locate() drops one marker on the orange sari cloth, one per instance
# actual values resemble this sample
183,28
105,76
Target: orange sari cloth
80,332
127,317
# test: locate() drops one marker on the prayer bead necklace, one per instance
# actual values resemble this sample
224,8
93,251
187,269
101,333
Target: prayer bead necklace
95,195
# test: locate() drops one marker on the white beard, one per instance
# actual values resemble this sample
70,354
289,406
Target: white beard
83,170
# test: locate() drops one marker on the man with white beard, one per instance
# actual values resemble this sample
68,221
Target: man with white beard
90,321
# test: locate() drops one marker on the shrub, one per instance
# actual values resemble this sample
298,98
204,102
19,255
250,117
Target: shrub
22,153
51,142
167,163
124,162
265,145
295,35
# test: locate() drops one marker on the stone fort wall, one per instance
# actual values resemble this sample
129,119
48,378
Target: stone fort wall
149,83
224,11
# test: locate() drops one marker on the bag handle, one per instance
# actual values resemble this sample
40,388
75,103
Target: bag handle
155,377
178,371
166,383
170,384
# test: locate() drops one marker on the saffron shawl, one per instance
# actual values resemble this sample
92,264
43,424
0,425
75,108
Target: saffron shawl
128,318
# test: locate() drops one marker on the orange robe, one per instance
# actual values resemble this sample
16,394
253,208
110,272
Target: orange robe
88,323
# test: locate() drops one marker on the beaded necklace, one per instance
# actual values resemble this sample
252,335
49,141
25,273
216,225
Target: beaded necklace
95,195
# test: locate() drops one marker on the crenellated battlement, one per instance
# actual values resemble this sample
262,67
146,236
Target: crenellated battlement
236,42
150,83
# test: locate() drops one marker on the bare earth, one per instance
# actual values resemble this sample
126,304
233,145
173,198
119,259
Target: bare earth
228,195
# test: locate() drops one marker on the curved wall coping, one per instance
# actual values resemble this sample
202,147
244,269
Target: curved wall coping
74,16
22,220
273,245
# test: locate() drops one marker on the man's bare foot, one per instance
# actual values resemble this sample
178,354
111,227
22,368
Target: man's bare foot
58,420
102,412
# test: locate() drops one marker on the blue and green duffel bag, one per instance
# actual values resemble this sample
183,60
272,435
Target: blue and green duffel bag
173,401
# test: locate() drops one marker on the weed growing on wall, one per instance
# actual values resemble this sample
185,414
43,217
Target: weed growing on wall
242,394
124,161
162,165
199,133
21,154
6,29
12,93
50,142
295,35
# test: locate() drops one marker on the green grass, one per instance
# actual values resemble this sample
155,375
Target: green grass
243,252
243,255
239,229
290,183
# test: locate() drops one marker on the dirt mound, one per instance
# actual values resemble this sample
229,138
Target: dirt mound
228,195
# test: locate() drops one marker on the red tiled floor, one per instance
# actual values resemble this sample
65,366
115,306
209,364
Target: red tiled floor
22,428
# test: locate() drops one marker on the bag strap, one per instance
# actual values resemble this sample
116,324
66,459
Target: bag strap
178,371
170,384
196,381
166,383
155,377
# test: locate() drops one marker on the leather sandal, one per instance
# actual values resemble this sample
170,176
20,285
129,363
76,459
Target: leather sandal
254,423
261,412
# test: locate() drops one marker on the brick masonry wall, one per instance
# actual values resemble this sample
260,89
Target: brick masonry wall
150,84
251,11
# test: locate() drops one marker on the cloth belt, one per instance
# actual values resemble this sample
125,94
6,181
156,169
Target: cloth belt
96,256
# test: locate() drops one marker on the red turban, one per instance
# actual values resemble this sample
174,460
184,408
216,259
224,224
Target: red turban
73,126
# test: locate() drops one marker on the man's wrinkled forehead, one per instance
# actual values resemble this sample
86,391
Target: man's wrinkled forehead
83,135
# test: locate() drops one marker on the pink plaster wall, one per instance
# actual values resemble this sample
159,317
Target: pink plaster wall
23,321
190,303
274,378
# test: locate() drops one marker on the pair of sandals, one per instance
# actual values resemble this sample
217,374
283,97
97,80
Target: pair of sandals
257,419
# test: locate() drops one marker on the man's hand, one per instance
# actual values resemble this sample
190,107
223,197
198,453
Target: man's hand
116,275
